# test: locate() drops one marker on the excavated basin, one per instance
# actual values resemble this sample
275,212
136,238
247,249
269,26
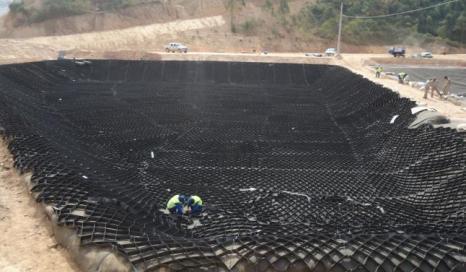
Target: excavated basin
301,167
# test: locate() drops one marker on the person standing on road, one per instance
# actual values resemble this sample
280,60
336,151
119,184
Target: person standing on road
447,86
378,71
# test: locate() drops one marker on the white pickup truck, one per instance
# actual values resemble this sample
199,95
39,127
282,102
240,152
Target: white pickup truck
330,52
176,47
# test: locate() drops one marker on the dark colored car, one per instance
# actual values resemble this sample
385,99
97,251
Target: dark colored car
397,52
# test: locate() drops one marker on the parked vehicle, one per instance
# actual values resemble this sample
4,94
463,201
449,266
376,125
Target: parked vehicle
330,52
397,52
426,55
317,55
176,47
423,55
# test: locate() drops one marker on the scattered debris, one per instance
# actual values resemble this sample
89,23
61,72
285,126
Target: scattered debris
248,190
298,194
381,209
418,109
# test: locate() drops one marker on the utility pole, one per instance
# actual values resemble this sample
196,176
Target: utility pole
339,30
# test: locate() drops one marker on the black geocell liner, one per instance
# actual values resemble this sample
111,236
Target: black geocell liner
299,165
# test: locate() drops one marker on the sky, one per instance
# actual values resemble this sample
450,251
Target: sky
4,6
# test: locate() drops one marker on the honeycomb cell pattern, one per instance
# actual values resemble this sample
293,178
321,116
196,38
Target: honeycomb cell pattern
299,165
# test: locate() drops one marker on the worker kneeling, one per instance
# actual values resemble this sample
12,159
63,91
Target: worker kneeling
176,204
195,205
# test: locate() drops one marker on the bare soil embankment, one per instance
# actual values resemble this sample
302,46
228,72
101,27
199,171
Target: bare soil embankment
250,27
26,242
19,26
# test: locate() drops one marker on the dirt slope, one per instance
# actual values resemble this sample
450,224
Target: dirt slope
17,26
25,242
248,27
142,37
244,28
98,20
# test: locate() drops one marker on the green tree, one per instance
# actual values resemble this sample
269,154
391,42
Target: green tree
445,22
17,7
459,31
59,8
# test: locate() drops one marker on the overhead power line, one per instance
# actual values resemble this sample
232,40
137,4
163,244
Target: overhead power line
402,13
